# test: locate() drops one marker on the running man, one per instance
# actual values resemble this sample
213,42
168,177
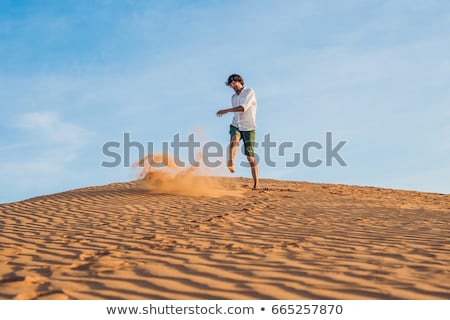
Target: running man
243,125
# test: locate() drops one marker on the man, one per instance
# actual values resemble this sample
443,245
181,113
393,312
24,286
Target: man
243,125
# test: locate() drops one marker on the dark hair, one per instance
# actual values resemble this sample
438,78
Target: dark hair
234,77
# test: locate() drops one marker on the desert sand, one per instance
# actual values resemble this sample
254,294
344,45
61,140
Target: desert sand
287,240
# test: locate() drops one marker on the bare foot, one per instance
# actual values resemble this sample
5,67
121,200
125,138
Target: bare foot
230,166
255,186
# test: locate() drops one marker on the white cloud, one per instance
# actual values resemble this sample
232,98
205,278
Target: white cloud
44,159
50,127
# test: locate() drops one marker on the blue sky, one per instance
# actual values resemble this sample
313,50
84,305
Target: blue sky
77,74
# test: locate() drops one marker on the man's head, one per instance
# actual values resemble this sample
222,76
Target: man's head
235,81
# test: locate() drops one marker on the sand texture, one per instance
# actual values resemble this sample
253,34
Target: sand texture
288,240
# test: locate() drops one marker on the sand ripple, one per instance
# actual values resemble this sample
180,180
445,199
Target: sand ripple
289,240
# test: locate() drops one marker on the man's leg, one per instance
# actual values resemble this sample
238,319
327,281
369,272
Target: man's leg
249,141
234,143
254,167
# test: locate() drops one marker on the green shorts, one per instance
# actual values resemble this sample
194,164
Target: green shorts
248,137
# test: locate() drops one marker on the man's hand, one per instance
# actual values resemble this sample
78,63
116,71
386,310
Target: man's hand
221,112
234,109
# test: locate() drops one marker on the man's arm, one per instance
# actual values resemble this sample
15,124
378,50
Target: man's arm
234,109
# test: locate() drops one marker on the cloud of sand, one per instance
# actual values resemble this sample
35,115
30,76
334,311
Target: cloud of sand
160,174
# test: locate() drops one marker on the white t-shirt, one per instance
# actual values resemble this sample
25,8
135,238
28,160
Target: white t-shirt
245,120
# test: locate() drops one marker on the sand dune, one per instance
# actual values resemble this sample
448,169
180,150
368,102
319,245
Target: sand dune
288,240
